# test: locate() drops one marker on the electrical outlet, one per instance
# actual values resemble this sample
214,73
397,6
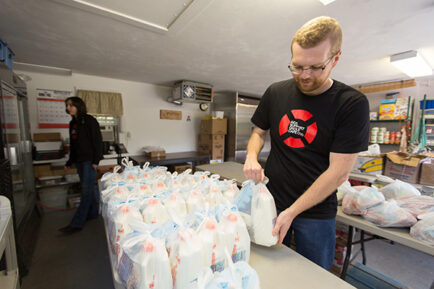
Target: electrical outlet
128,134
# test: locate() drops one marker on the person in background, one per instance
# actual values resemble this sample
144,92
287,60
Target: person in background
85,154
317,127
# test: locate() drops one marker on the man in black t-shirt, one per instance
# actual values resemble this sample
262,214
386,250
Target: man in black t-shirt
317,126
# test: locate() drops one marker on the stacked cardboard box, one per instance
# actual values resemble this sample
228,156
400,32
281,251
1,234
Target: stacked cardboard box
212,138
340,248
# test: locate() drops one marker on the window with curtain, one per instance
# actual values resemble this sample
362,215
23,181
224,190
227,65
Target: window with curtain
103,103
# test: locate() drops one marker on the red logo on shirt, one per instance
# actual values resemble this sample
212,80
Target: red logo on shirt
298,129
74,131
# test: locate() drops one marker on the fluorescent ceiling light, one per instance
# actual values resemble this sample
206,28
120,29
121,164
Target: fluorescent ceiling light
41,68
411,63
326,2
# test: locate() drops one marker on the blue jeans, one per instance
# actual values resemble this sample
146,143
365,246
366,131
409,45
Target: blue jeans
314,239
89,202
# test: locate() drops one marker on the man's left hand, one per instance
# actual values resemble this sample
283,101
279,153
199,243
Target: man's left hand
283,222
94,166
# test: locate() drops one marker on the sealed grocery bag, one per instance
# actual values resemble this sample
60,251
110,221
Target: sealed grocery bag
399,189
263,216
234,235
389,214
236,276
358,199
154,212
186,259
144,263
257,207
213,248
176,203
424,229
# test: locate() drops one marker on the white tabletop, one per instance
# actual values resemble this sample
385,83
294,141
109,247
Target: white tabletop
399,235
281,267
226,170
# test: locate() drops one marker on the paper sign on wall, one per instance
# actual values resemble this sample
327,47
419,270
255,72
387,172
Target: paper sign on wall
51,108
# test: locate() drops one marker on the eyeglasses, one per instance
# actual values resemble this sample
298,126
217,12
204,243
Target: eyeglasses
297,69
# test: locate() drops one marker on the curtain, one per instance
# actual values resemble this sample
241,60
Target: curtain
99,102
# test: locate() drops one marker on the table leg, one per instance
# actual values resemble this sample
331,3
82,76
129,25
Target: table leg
348,254
362,246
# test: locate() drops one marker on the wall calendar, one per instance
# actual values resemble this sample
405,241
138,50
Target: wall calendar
51,108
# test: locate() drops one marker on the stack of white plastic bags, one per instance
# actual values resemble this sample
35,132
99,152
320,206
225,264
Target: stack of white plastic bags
397,204
172,230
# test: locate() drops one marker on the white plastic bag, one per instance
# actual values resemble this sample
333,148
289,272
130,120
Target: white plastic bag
263,216
176,203
236,276
424,230
389,214
186,259
257,207
399,189
154,212
417,205
358,199
213,248
144,263
234,235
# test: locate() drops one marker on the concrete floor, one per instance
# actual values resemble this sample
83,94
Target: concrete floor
81,261
77,261
403,264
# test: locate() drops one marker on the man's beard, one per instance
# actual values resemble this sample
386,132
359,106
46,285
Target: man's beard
311,85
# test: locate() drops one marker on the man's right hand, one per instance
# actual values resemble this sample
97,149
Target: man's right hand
253,170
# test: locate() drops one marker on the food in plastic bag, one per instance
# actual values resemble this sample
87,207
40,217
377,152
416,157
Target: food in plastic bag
144,263
176,203
194,201
417,205
236,276
186,259
357,200
424,230
213,248
234,235
231,191
389,214
214,197
154,212
399,189
257,207
119,226
263,217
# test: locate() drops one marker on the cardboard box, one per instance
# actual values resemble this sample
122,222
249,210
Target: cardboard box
214,126
48,136
403,166
181,167
387,109
156,154
214,145
368,165
427,172
42,171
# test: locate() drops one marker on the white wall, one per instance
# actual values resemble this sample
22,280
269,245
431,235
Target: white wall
142,103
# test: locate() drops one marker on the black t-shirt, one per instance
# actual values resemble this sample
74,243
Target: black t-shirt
304,130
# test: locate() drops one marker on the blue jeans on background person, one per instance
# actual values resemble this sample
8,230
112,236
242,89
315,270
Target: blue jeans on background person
89,202
315,239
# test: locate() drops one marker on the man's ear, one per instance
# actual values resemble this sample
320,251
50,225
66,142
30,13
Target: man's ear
336,58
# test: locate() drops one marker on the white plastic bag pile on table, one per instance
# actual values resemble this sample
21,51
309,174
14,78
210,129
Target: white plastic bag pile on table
170,227
397,204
